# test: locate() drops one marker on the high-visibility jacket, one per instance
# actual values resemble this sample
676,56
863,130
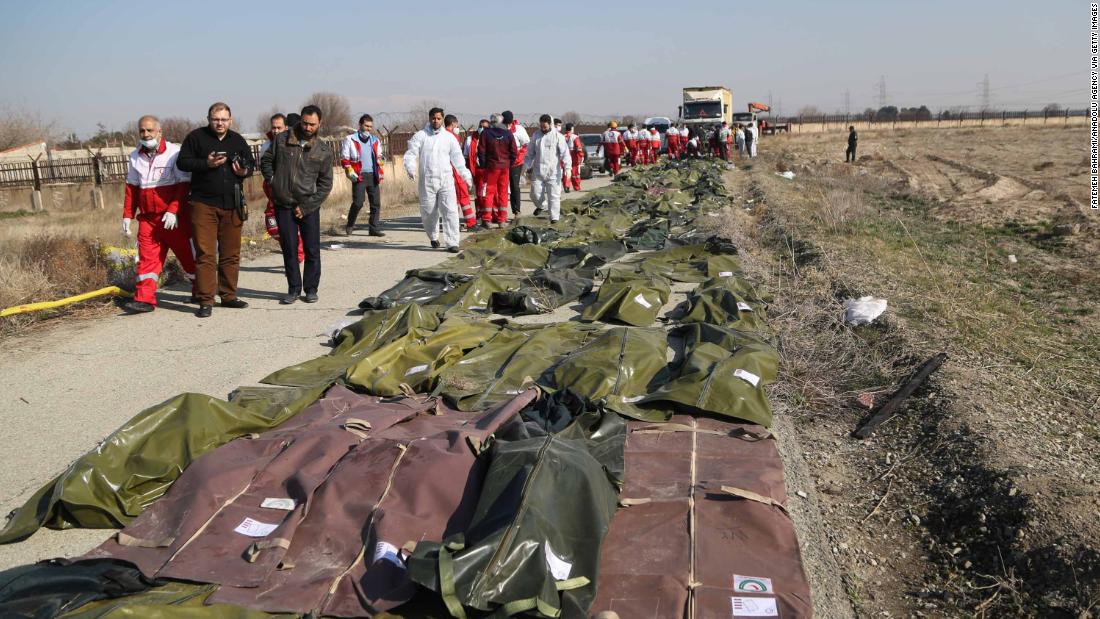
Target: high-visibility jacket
153,183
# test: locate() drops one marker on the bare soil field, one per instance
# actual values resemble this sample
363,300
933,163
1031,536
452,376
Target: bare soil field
981,495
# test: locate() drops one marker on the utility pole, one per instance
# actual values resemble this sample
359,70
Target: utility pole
881,86
983,93
769,99
847,103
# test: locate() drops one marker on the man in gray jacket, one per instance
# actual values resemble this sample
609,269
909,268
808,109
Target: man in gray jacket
298,166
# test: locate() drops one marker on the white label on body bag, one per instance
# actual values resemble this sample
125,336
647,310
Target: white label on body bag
283,504
743,307
255,528
747,376
754,607
385,551
752,584
640,300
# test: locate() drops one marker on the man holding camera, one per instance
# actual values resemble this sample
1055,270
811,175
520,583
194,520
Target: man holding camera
219,160
299,168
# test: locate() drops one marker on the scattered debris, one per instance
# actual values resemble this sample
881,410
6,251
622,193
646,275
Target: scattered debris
336,246
787,175
863,310
900,396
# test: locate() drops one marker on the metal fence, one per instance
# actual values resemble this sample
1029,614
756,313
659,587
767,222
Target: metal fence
945,118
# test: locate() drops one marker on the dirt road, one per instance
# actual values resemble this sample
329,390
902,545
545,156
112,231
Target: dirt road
65,389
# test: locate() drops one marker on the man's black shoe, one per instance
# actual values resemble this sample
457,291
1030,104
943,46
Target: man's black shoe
348,230
479,228
138,307
204,311
376,233
453,249
538,211
289,298
435,244
234,303
311,297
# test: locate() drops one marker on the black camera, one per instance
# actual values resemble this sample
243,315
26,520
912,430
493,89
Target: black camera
240,160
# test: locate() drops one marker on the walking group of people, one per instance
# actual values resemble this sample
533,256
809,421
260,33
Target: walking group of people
642,146
723,141
189,198
488,164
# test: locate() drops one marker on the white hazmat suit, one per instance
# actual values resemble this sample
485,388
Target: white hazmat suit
430,155
545,156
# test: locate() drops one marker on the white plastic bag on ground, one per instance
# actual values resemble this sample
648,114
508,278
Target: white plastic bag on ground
863,310
787,175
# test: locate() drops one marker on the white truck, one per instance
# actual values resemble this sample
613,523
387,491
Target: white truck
706,106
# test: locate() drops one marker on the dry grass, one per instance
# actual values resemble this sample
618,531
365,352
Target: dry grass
46,267
824,364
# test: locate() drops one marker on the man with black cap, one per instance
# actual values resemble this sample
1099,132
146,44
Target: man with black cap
522,139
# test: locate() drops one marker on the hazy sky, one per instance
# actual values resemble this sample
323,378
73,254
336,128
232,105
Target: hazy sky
79,63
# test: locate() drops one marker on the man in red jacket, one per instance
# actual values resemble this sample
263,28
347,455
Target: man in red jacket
576,153
611,141
361,158
496,150
630,139
156,193
462,193
672,137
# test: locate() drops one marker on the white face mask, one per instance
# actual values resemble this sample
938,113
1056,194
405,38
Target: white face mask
151,144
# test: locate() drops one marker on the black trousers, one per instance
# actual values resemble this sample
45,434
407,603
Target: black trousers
366,190
310,229
513,187
850,154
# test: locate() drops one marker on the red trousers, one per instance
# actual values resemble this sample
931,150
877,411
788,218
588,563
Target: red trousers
575,175
462,194
632,152
480,211
494,191
613,163
153,242
673,146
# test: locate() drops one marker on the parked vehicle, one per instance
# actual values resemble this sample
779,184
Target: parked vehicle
705,107
592,162
661,123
